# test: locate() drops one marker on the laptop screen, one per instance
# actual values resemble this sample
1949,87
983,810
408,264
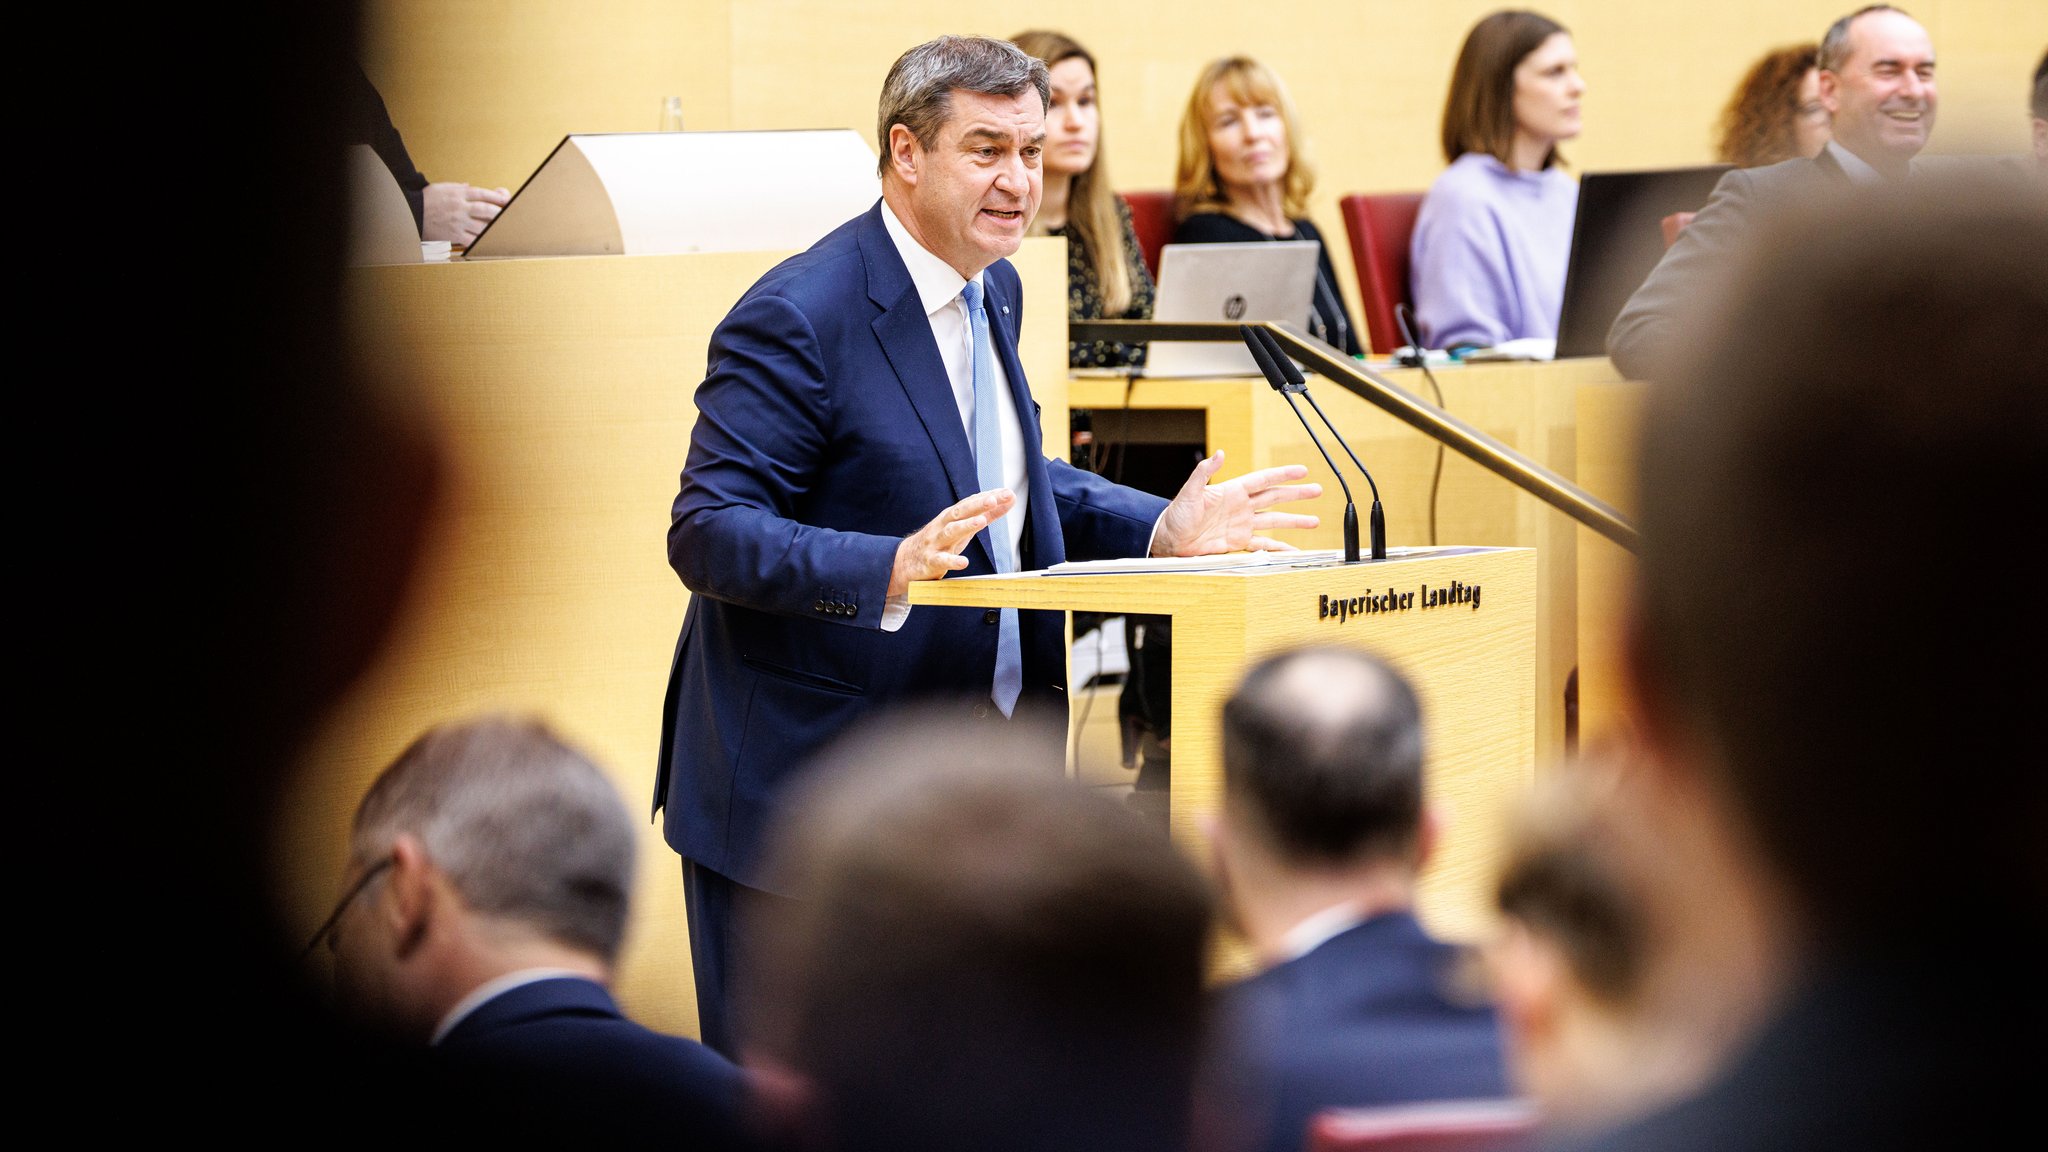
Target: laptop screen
1617,239
1239,283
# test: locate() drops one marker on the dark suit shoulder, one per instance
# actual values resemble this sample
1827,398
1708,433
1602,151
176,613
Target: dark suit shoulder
819,276
558,1051
1214,228
1374,1015
1388,957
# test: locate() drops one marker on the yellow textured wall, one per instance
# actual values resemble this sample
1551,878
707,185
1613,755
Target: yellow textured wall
482,91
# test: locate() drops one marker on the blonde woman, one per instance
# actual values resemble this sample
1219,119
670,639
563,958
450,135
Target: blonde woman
1244,176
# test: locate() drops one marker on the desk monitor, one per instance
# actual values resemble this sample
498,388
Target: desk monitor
642,192
1239,283
1616,239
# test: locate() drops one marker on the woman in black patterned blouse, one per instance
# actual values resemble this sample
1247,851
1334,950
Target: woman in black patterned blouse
1106,277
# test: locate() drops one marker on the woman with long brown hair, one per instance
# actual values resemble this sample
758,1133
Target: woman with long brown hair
1487,260
1106,276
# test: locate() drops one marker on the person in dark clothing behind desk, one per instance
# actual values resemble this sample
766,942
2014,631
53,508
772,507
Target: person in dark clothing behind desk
1245,176
1106,276
450,210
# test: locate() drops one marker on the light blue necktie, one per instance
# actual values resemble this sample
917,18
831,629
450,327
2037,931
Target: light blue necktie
988,468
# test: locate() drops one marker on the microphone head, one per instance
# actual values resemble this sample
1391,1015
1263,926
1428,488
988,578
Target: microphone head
1415,353
1281,360
1260,355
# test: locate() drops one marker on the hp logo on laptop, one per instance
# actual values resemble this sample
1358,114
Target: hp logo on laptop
1233,307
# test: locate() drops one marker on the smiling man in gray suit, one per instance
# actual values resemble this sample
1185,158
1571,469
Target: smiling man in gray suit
1877,81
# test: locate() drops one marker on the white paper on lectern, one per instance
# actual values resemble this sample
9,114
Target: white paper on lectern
1216,563
663,192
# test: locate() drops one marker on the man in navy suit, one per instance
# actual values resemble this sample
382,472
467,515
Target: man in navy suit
1320,839
1877,81
491,873
864,424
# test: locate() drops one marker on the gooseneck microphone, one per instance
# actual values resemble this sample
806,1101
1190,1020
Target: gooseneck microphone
1269,361
1296,383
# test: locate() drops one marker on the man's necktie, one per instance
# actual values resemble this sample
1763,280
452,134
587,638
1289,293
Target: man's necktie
988,467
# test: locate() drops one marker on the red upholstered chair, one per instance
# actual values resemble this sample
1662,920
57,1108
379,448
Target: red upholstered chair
1152,219
1440,1126
1672,223
1379,227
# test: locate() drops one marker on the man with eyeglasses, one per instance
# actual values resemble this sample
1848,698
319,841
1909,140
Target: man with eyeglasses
490,879
1877,85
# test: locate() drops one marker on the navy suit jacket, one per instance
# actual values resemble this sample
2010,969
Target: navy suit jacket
827,431
558,1054
1372,1016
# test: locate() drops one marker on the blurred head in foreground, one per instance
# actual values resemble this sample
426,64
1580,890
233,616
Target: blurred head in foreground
1573,961
980,952
488,847
1826,634
2038,105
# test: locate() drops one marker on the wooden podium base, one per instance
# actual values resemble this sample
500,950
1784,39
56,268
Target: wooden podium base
1460,622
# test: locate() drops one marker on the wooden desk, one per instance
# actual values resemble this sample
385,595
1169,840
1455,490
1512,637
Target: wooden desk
1609,416
1532,407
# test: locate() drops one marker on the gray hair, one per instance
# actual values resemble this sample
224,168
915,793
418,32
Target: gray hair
918,93
1834,47
524,826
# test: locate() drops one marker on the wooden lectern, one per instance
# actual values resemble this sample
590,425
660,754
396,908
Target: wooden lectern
1460,622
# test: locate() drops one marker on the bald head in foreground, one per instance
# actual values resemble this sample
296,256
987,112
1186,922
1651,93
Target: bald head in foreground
1837,661
1322,836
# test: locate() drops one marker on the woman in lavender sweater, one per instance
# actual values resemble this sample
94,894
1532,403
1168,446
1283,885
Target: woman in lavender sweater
1491,243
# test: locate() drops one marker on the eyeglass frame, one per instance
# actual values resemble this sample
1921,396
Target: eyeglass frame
347,898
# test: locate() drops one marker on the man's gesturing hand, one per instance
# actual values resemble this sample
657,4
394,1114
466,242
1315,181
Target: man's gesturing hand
1206,518
935,549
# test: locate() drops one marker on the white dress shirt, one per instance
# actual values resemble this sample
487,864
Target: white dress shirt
938,289
1316,930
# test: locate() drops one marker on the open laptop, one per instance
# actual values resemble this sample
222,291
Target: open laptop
1616,239
1239,283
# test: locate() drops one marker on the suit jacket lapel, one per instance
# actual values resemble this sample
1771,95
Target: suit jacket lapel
1831,167
906,337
